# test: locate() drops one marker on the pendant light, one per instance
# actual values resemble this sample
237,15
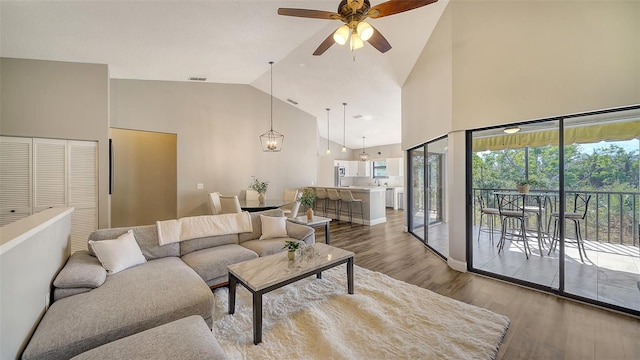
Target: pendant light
272,140
344,127
363,155
328,150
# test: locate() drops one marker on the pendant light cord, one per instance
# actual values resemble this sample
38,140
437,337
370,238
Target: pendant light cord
271,63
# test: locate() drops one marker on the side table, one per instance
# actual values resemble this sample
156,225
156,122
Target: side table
316,221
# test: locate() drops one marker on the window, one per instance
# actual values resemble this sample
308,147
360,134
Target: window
379,169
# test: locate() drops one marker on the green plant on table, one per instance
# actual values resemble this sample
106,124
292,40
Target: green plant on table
307,198
292,245
259,186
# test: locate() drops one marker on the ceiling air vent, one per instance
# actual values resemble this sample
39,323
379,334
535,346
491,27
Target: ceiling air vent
357,116
292,101
196,78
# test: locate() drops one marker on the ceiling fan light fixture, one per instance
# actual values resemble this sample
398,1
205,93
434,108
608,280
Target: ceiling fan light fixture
365,30
341,35
356,43
511,129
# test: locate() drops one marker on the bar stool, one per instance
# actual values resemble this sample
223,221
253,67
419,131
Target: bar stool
491,213
321,197
347,197
334,197
579,213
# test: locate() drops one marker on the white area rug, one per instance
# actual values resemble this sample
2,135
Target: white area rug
384,319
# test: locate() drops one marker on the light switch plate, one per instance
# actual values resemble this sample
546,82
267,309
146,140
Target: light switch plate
199,186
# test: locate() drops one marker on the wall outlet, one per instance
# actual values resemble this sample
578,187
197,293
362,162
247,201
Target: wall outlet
199,186
47,301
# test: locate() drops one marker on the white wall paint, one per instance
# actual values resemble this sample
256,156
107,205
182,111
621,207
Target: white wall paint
36,249
496,62
52,99
218,127
525,60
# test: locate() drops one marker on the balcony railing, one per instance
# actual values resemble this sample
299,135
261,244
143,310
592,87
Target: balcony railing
612,216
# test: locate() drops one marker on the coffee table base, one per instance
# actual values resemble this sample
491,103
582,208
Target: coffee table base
257,295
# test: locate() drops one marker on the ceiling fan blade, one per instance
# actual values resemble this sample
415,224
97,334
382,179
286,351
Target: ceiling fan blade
305,13
379,42
326,44
392,7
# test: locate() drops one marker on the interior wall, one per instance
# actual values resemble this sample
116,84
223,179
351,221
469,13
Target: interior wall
386,151
427,92
32,252
525,60
496,62
52,99
218,126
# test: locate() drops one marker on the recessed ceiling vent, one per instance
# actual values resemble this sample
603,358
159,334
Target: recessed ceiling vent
357,116
196,78
292,101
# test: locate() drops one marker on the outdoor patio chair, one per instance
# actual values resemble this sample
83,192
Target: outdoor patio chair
579,213
511,209
491,213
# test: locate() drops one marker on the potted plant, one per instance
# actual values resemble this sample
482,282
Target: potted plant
307,198
260,187
291,247
524,185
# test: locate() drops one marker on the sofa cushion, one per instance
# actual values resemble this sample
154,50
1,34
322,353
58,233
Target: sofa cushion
61,293
185,339
81,271
267,247
212,263
146,237
207,242
257,224
128,302
118,254
273,227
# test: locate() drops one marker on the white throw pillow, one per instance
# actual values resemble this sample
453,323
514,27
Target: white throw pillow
273,227
119,254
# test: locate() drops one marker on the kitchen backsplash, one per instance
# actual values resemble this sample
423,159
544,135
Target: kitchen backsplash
391,181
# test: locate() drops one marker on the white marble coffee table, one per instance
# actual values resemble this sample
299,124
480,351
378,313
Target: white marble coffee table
271,272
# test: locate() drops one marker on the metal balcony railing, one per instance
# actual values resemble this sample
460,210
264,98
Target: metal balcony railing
612,216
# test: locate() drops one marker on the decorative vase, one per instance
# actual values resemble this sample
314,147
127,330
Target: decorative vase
291,255
309,214
523,189
261,198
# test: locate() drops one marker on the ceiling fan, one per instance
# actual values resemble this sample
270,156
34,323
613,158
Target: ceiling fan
356,30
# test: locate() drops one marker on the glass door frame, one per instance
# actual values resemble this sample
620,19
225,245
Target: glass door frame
560,291
426,199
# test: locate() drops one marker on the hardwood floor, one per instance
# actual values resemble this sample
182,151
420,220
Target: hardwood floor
543,326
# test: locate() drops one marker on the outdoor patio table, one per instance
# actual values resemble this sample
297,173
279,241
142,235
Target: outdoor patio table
540,209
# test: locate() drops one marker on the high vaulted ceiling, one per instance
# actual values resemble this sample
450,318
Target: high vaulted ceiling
232,42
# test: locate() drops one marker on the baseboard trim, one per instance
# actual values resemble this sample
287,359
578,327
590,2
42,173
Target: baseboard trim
456,264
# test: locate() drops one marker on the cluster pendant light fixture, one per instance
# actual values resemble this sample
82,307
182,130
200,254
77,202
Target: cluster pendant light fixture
328,149
344,127
363,155
272,140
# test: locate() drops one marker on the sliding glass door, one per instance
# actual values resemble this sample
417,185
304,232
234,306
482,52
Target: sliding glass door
575,230
427,196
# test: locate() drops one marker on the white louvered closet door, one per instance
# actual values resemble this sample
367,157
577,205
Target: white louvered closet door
15,179
50,174
83,191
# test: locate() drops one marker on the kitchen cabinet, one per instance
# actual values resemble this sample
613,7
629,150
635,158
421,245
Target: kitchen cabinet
395,167
364,168
350,167
389,197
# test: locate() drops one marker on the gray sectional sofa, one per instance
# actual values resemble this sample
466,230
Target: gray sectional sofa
92,308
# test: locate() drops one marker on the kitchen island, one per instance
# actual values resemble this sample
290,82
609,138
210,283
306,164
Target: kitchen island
373,204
